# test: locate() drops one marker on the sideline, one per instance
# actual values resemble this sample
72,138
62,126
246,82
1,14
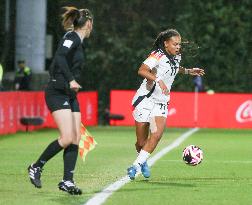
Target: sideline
102,196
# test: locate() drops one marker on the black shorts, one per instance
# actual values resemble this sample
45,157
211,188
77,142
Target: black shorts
58,99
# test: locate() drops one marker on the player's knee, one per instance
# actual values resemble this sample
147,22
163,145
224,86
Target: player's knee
66,139
65,142
67,136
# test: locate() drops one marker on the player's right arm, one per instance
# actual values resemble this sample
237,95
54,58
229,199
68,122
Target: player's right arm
145,71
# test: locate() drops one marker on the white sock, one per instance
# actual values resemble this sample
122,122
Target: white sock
141,158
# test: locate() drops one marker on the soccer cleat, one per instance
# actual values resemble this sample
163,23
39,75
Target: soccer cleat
69,187
35,174
145,170
132,172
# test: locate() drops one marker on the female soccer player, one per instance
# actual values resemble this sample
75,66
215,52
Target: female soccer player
152,98
60,96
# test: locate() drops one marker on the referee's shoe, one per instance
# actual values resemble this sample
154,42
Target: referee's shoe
69,187
35,174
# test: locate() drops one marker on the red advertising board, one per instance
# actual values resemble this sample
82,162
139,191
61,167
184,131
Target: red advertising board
15,105
187,109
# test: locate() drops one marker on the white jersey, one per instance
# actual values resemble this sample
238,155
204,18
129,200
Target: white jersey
164,68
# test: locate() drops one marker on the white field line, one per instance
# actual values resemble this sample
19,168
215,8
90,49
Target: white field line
102,196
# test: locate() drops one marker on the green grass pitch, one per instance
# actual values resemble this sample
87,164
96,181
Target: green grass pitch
224,176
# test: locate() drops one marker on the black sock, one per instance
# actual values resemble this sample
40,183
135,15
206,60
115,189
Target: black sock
70,158
52,149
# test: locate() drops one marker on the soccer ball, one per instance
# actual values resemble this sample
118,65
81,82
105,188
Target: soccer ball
192,155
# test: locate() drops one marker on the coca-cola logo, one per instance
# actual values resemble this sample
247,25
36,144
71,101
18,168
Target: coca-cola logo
244,112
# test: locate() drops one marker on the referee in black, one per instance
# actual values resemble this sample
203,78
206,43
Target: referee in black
61,99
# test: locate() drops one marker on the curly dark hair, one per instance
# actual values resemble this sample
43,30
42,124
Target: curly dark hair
162,37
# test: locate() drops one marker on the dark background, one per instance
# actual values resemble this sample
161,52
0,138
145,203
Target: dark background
125,30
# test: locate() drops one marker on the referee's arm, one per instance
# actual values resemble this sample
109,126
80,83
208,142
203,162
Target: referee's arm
64,50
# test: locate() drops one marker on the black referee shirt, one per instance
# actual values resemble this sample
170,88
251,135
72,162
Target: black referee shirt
68,59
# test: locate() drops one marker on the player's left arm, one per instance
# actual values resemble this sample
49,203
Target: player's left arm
192,71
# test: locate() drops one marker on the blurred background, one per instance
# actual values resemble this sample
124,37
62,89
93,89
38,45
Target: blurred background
216,36
122,38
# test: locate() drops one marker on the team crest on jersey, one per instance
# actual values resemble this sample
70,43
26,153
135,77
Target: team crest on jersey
174,61
178,58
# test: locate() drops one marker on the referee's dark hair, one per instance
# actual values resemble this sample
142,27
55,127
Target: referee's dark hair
74,18
162,37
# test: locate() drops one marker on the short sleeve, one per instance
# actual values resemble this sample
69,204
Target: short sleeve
153,60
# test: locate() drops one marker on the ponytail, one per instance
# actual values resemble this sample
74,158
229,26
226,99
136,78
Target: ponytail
70,15
74,18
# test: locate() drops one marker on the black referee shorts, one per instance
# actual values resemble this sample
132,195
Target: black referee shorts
57,100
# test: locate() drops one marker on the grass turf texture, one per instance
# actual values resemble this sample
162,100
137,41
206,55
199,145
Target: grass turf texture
224,177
